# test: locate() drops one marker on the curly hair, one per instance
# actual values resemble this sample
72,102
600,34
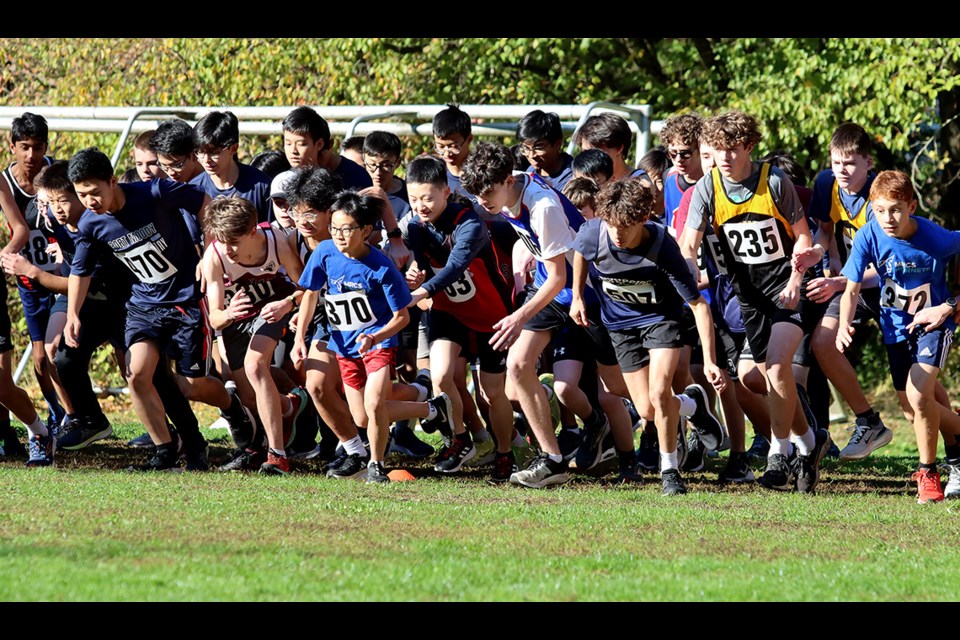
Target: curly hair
487,166
730,129
624,203
682,130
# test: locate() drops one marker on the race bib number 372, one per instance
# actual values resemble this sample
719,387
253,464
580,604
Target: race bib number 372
908,300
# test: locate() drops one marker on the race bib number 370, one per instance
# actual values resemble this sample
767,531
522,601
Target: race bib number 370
754,242
148,263
349,311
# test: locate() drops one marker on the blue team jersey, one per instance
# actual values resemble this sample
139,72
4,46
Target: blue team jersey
361,295
547,224
673,188
912,271
641,286
353,175
108,281
150,238
252,184
559,179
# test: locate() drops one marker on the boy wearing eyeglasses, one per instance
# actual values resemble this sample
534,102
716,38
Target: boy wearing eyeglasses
381,156
216,139
173,144
541,140
681,137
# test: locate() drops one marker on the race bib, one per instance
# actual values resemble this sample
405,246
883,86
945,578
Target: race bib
147,263
713,242
635,294
348,311
528,240
36,251
461,290
908,300
259,291
754,242
847,241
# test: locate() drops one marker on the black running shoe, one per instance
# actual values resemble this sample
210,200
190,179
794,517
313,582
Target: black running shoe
142,441
244,460
12,447
406,443
351,466
376,474
441,422
79,433
162,459
779,475
672,483
807,468
504,465
631,474
459,452
738,469
648,454
759,448
694,460
569,442
197,460
703,420
592,445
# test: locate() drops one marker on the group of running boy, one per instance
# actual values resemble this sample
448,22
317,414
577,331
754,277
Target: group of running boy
313,294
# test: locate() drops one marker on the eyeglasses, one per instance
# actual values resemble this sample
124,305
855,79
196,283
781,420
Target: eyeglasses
167,168
308,216
540,147
213,155
346,232
680,154
448,148
280,203
386,167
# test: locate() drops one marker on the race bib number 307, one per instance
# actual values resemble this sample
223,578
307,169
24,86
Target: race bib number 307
634,294
754,242
908,300
349,311
148,263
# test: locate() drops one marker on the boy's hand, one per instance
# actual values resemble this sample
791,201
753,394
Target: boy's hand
15,264
844,336
806,258
715,377
397,251
299,352
365,342
506,332
53,250
240,305
578,311
790,296
417,295
415,277
274,311
930,318
71,331
822,289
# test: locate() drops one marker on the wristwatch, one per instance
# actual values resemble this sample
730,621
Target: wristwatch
396,233
952,303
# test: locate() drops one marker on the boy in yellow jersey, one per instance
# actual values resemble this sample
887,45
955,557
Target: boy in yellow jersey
758,222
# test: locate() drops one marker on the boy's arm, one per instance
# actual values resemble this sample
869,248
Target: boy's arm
276,310
16,264
848,309
507,330
704,319
19,231
802,252
469,240
77,288
578,308
400,319
220,317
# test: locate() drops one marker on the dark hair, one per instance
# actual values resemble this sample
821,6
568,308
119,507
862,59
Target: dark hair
229,218
682,130
304,121
487,165
851,138
313,186
272,163
53,177
128,176
427,170
29,125
365,210
90,164
520,160
219,129
173,138
655,162
789,165
581,192
538,125
450,121
592,162
381,143
353,143
604,130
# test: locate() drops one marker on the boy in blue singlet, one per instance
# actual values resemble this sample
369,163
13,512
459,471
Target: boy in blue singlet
917,316
365,298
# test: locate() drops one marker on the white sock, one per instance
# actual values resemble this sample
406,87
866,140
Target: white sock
354,447
422,392
687,405
37,428
556,457
431,412
669,460
780,445
481,436
806,443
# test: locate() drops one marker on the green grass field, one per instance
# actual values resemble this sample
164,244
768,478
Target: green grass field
87,531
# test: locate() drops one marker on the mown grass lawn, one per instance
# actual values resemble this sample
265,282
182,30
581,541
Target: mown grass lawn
87,531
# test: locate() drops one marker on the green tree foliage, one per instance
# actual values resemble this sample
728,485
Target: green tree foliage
903,91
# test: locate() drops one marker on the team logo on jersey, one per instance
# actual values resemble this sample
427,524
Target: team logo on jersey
270,266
